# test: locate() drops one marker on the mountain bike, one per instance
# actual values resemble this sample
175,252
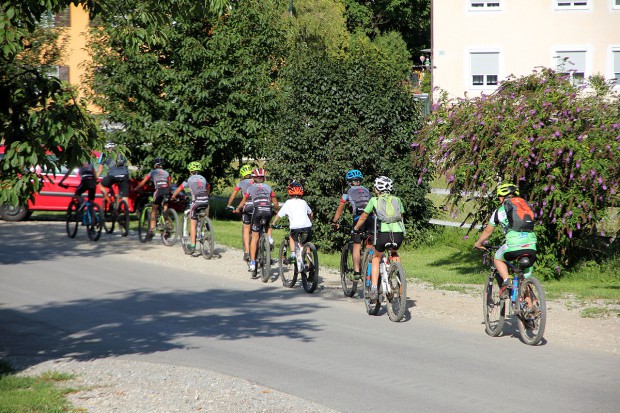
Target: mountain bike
89,214
166,223
392,284
525,299
348,281
204,233
115,209
306,262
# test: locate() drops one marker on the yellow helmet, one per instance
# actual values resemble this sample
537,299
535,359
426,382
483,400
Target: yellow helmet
507,189
245,171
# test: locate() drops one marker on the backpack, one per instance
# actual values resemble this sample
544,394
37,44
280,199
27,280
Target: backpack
520,215
388,209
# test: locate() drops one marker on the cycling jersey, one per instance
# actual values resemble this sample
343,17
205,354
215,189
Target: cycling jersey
116,164
357,197
393,227
297,211
260,194
515,240
199,187
160,178
86,171
243,187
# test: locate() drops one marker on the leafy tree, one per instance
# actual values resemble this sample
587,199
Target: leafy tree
344,114
202,88
558,142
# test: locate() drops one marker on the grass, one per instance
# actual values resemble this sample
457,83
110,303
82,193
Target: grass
42,393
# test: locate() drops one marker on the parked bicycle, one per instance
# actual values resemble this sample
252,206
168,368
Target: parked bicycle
525,300
115,210
306,262
166,223
347,279
204,233
89,214
392,284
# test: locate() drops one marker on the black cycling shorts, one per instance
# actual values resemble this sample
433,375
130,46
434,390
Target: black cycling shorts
368,228
385,237
87,184
158,196
259,215
297,231
121,180
196,207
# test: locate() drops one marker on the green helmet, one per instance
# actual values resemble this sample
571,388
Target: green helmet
245,171
507,189
194,166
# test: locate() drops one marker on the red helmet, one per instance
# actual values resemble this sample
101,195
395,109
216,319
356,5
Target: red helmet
295,189
258,173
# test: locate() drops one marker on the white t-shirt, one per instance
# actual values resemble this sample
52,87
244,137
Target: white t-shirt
297,211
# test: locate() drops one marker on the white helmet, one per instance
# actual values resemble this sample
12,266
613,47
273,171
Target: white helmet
110,145
383,184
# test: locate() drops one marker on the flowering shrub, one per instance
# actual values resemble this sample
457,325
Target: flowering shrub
559,143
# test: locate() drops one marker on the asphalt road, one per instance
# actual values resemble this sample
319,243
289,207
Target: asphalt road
67,298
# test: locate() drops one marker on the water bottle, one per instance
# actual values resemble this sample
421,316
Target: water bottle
515,287
369,268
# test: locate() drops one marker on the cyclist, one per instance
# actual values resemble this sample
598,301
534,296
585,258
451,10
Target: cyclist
246,216
517,243
299,216
117,171
88,181
357,196
200,188
386,232
161,181
262,197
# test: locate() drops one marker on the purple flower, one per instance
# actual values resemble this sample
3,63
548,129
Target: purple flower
600,180
419,180
466,237
578,225
552,187
571,176
604,187
415,145
570,234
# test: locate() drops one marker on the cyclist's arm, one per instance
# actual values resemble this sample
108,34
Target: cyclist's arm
99,170
486,233
141,184
62,180
339,211
360,221
232,196
242,203
176,191
274,200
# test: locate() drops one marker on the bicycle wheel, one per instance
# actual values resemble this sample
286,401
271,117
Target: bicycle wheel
207,243
72,219
533,311
287,270
143,225
123,218
493,306
109,216
263,244
372,307
94,227
170,231
397,296
349,285
310,274
185,239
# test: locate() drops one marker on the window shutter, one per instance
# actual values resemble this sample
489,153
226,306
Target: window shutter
63,73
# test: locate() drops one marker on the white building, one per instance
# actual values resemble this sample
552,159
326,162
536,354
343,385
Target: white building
476,44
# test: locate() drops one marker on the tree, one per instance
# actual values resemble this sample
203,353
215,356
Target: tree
558,142
201,87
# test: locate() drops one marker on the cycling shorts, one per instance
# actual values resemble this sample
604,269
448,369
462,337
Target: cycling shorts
87,184
368,228
246,218
259,215
159,195
506,256
297,231
196,207
121,180
383,238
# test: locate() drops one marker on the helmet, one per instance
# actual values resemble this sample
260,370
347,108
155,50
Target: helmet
245,171
384,184
354,174
258,173
194,166
507,189
158,161
110,145
295,189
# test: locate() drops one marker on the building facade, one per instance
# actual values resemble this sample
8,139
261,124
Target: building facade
477,44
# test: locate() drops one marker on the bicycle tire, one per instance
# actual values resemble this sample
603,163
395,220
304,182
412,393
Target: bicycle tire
170,230
72,219
207,239
493,306
397,297
123,218
532,320
109,216
93,228
185,238
349,286
286,270
259,257
372,308
265,257
310,274
143,225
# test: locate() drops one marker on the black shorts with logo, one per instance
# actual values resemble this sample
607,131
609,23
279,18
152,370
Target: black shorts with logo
121,180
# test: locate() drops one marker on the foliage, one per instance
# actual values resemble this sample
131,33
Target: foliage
339,115
558,142
201,89
41,120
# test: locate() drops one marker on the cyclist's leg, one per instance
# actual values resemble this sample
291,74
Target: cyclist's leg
246,219
256,217
382,239
105,183
123,188
292,239
157,202
500,262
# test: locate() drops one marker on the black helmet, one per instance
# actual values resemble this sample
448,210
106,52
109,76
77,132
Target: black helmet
158,161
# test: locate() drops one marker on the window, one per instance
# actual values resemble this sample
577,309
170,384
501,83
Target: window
60,19
573,63
484,68
572,5
616,65
61,72
615,5
484,5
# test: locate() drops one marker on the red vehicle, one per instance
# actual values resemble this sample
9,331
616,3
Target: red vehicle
54,198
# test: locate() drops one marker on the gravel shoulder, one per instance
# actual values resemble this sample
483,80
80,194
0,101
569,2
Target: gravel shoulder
115,385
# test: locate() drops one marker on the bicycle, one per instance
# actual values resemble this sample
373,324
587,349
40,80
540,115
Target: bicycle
525,300
348,281
263,253
204,233
166,223
115,210
392,284
86,212
306,262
